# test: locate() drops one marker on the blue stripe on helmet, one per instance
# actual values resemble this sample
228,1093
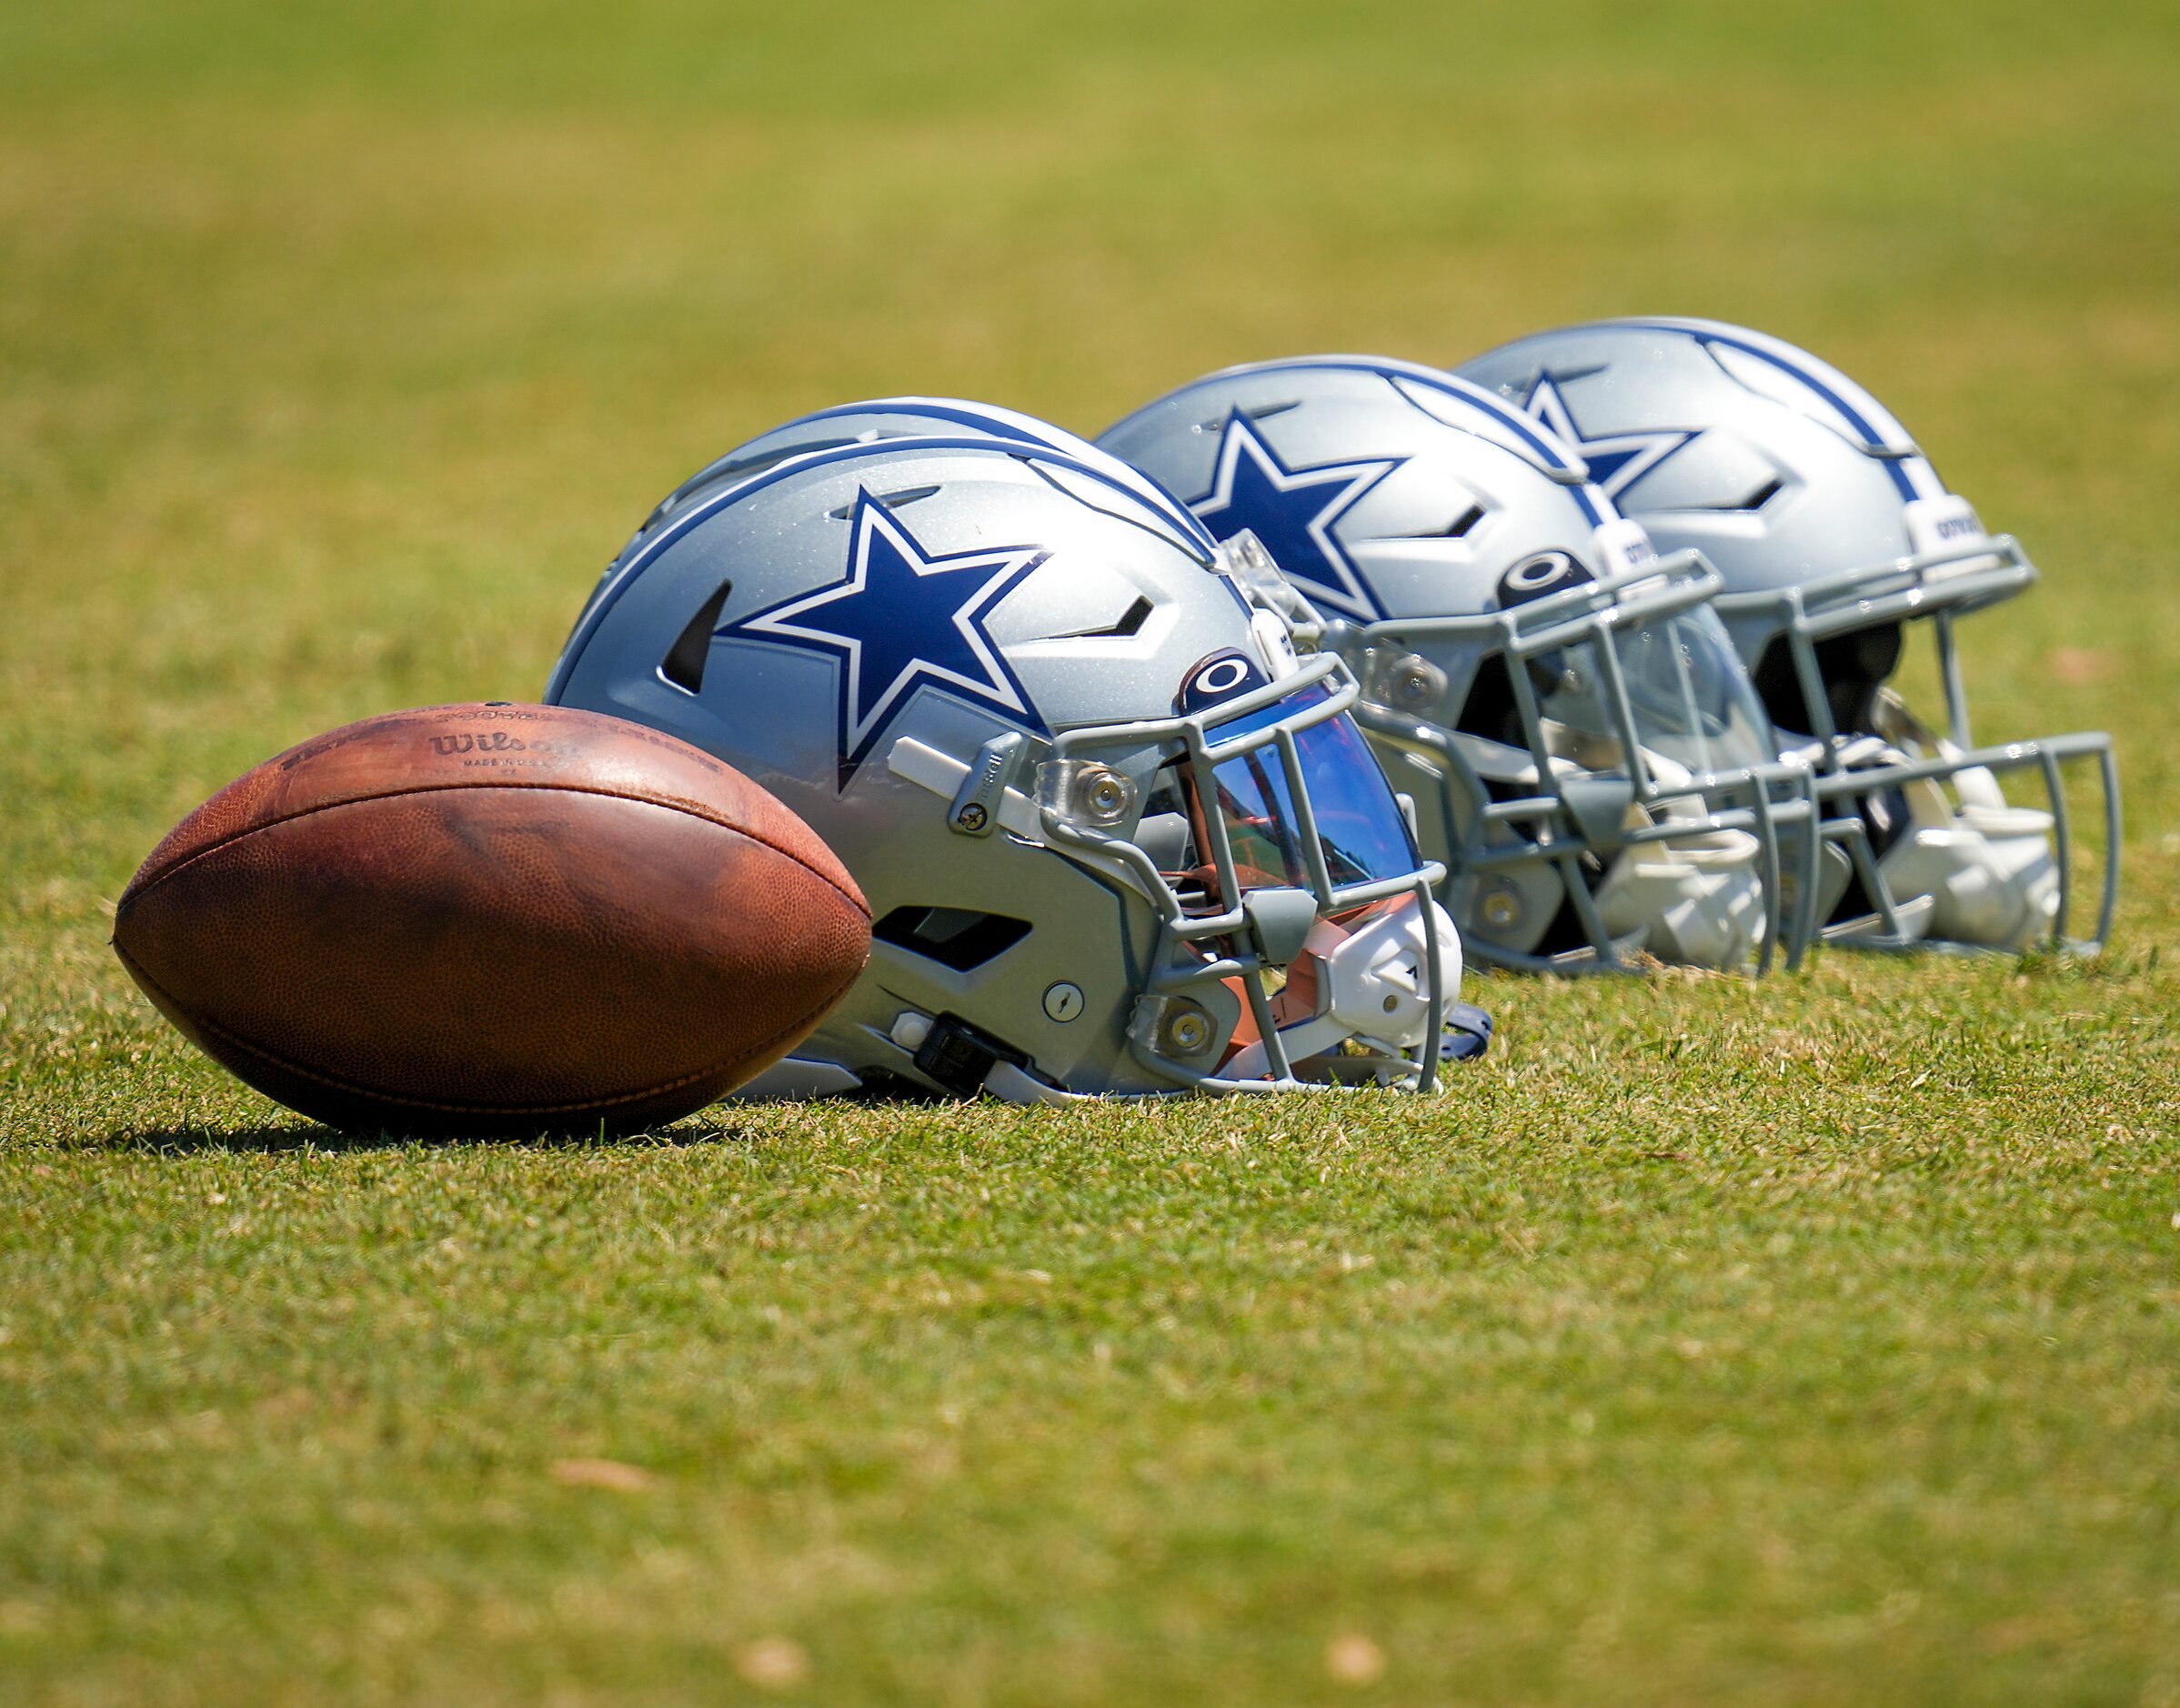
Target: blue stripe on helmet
625,576
1855,418
1595,506
990,421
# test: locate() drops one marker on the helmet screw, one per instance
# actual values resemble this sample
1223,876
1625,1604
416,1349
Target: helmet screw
1416,682
1501,908
1105,794
1188,1031
1063,1001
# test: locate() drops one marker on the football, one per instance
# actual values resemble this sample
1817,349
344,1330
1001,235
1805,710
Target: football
493,917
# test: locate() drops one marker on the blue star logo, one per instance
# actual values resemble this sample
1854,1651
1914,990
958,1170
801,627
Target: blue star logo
1293,511
904,619
1616,460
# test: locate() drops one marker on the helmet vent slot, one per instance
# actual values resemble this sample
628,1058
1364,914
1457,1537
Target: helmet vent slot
1756,500
1458,529
757,462
957,938
1130,622
683,665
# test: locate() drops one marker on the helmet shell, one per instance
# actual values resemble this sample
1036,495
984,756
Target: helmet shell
1059,596
1412,507
1775,466
1424,488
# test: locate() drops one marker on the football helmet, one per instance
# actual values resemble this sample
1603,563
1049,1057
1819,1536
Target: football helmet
1116,834
1832,532
1590,764
878,418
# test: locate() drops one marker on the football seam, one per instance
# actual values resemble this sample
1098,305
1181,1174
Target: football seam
131,896
352,1089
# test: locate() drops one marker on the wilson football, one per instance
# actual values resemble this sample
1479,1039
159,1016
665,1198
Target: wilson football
493,917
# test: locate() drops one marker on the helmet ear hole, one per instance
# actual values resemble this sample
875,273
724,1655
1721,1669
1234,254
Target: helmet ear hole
1855,667
1780,688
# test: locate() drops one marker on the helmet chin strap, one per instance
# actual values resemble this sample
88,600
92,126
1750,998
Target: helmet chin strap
1374,983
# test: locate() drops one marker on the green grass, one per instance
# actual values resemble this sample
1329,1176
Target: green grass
1813,1341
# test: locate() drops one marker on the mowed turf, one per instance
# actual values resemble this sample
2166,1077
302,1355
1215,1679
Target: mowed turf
1814,1340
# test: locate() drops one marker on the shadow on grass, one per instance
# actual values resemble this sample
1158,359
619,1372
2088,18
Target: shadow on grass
333,1141
300,1136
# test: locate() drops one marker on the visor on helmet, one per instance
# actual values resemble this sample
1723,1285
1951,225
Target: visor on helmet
1688,698
1359,825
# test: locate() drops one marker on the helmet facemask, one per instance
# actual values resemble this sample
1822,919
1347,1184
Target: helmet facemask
1921,844
1298,942
1600,772
1832,532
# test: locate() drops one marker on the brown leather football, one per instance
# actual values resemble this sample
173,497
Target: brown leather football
494,919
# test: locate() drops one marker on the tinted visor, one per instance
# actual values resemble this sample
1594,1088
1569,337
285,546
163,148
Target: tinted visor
1359,824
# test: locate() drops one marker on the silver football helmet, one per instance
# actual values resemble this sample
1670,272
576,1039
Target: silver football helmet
1589,761
1831,532
877,419
1116,835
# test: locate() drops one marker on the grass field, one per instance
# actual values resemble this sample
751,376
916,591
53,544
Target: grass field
1815,1340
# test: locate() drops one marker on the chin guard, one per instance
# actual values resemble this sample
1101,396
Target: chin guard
1966,868
1372,982
1698,903
1990,877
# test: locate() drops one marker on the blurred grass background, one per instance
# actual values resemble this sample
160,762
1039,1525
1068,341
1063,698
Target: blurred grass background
341,346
